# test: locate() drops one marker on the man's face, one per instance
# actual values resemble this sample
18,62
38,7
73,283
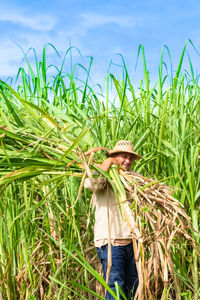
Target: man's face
125,160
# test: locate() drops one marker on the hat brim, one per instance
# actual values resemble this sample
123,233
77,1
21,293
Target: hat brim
136,156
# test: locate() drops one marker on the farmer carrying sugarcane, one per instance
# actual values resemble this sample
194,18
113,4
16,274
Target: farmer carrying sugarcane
111,228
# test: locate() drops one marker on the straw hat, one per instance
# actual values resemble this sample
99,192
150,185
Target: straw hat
124,146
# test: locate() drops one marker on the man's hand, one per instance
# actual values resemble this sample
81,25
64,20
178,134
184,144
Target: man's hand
111,161
116,160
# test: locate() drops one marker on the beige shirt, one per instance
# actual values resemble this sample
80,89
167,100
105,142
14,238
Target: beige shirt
105,202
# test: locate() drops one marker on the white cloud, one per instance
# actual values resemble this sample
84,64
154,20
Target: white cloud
94,20
23,17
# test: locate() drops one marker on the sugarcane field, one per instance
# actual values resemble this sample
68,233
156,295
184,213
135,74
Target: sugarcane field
61,137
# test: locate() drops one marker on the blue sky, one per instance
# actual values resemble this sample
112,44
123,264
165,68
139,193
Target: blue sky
100,29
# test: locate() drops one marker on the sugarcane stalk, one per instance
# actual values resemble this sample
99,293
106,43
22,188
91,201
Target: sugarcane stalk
51,217
84,176
124,204
109,259
195,257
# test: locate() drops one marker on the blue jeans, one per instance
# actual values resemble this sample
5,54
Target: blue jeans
123,269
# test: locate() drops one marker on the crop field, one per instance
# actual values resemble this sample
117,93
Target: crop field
47,123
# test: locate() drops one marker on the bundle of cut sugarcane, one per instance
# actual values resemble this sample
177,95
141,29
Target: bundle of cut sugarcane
157,221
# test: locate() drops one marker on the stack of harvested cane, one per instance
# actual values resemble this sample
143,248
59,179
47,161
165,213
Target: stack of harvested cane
156,220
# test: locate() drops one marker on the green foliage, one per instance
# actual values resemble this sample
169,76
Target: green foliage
43,122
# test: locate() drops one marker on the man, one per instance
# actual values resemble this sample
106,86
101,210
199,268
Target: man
109,224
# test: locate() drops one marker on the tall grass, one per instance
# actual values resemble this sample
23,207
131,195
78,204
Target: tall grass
46,236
